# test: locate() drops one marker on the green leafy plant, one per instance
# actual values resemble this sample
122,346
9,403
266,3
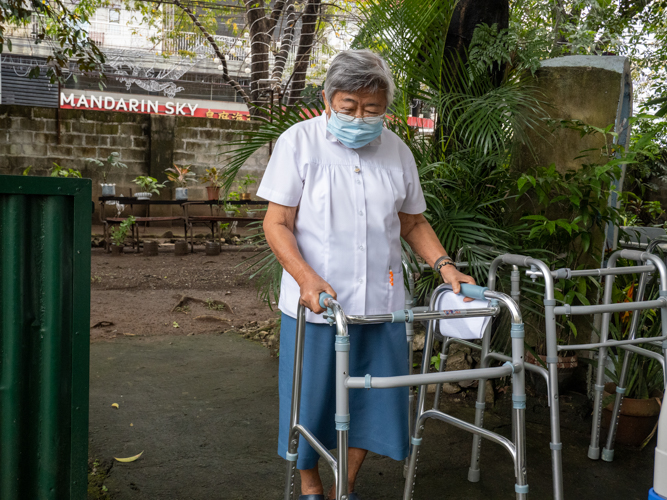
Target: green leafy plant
180,176
148,184
118,234
645,374
58,171
212,176
107,165
231,208
247,181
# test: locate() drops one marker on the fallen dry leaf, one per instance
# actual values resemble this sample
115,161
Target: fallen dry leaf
129,459
115,405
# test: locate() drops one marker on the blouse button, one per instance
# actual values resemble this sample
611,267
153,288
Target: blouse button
357,170
358,181
361,212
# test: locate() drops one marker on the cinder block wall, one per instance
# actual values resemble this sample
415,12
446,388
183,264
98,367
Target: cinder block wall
148,144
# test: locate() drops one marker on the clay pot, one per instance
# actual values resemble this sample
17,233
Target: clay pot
180,248
213,192
150,248
637,420
116,250
212,248
245,196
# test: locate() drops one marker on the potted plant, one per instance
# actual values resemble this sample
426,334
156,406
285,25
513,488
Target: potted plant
58,171
230,210
213,177
247,181
118,235
106,166
148,185
180,176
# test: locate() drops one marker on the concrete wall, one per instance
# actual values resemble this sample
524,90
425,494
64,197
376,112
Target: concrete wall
148,144
596,90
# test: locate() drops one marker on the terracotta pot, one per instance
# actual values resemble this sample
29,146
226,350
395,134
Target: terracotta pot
245,196
637,419
116,250
150,248
212,248
213,192
180,248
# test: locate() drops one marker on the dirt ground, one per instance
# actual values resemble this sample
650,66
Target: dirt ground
134,295
201,401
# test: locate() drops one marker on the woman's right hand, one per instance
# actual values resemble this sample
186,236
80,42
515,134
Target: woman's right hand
311,288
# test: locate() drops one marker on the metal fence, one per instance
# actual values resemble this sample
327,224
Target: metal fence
44,337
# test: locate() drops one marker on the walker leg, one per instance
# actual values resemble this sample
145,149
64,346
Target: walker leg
554,402
293,444
444,352
342,416
480,406
411,476
519,410
608,450
594,447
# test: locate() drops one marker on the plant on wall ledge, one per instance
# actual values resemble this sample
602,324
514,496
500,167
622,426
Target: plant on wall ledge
107,165
180,176
148,185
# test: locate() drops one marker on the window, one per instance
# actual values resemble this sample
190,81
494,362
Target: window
114,15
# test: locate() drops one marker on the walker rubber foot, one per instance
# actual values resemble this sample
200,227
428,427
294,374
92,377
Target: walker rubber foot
607,455
474,475
593,453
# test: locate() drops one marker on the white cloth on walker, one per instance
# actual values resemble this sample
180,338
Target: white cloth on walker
462,328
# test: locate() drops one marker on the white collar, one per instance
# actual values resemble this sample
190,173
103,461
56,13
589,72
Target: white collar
332,138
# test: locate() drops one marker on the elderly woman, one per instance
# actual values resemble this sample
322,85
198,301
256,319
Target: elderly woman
342,191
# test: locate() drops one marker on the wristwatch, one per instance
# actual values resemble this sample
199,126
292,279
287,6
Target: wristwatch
442,262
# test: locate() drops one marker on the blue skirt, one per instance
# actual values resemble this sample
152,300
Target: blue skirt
378,417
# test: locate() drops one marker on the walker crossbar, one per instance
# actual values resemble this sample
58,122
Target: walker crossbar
566,273
430,378
610,343
344,383
610,308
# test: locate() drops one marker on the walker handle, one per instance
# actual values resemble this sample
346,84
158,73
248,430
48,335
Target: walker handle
324,296
473,291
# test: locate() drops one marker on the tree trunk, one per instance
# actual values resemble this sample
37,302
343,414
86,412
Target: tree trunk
286,44
309,21
260,43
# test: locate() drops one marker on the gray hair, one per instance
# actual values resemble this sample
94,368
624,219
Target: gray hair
354,70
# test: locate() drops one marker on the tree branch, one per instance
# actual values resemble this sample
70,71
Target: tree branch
225,73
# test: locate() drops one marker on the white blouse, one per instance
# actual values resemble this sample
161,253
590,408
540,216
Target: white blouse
347,226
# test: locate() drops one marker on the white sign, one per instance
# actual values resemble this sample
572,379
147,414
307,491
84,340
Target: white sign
131,105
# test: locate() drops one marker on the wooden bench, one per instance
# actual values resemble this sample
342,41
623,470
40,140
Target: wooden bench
135,230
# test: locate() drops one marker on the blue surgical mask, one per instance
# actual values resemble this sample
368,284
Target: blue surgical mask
353,134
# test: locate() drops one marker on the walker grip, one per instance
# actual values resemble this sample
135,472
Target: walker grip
473,291
324,296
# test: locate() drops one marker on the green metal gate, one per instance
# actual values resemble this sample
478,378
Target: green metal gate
44,337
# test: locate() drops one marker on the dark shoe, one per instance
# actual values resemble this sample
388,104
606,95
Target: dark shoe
311,497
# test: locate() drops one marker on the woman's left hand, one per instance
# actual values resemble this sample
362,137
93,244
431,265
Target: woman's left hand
454,277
